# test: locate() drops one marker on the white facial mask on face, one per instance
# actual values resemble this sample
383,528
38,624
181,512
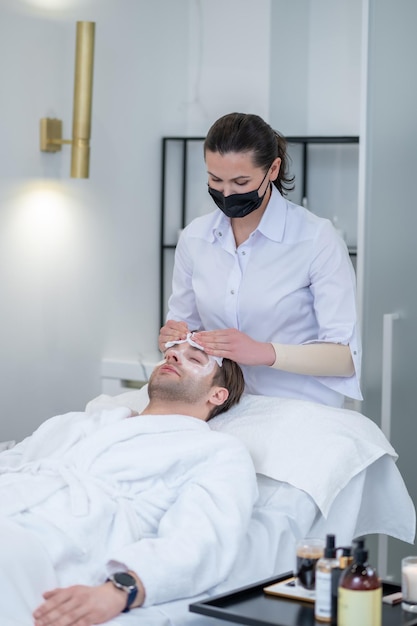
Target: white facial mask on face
189,339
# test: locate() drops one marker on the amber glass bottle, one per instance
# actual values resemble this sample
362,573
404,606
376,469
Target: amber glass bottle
360,592
345,560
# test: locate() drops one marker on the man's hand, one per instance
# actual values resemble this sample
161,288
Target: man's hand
231,343
80,605
172,331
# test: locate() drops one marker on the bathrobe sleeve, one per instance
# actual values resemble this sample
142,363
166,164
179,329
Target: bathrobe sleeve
199,535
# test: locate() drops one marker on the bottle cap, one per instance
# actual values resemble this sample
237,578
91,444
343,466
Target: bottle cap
360,553
330,550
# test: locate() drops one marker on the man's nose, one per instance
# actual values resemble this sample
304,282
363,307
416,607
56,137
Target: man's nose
171,355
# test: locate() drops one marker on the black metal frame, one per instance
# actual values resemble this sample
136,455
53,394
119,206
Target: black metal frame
304,140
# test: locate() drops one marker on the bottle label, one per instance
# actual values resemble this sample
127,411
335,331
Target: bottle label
359,608
322,607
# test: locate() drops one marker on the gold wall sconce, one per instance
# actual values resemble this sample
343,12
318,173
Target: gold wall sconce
51,128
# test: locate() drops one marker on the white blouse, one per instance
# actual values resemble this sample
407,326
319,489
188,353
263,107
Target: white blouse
290,282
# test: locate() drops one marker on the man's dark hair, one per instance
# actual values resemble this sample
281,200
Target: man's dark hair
230,376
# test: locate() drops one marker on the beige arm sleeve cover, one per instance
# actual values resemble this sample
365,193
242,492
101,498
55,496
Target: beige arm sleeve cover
314,359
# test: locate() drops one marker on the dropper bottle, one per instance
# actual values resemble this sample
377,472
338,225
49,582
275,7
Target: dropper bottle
360,592
324,567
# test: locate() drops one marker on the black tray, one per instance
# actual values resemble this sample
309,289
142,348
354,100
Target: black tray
252,606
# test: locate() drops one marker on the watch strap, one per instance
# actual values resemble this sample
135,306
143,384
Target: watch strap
131,596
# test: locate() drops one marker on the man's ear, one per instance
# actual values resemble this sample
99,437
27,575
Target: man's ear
218,395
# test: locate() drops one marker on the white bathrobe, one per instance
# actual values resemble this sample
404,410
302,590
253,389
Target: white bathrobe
162,495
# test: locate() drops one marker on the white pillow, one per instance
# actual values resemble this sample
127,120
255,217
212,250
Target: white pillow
313,447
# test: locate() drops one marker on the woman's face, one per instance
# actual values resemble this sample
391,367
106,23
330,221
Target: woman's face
234,172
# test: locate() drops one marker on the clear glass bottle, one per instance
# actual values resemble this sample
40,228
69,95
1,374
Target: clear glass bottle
324,567
360,592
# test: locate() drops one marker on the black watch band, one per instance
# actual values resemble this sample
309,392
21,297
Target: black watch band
125,582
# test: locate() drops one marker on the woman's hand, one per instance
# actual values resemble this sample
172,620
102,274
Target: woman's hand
231,343
172,331
80,605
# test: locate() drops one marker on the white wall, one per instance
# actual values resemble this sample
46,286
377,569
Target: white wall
334,63
79,265
315,66
229,60
315,90
388,222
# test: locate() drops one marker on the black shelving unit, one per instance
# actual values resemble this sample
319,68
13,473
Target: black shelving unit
183,142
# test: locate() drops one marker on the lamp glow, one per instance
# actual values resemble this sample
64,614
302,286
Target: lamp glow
44,220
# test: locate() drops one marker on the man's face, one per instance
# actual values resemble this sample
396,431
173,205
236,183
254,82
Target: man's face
186,374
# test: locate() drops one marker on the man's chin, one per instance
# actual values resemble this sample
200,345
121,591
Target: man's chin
165,388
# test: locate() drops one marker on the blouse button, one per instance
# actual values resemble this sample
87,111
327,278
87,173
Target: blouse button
232,291
243,253
220,234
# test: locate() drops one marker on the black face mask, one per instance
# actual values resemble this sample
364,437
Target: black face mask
238,204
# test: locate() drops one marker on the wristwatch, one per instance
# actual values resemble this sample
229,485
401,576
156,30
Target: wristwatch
125,582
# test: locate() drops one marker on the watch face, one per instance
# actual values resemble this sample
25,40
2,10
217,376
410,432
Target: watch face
124,579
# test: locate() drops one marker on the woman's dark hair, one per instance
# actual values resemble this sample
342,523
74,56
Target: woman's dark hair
245,132
229,375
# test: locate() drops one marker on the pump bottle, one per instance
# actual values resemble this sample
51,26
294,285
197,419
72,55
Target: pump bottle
324,567
360,592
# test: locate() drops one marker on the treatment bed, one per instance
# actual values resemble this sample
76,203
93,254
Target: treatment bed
320,470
